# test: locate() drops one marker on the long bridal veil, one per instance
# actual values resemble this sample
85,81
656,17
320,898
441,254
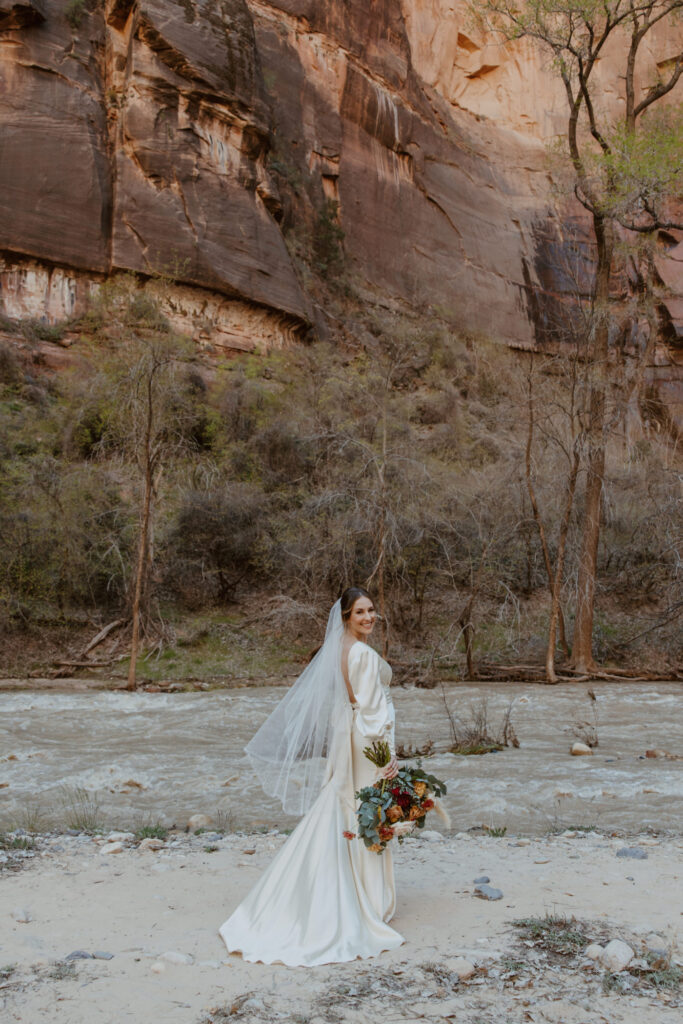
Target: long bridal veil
289,752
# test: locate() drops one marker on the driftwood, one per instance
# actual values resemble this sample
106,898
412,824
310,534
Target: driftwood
103,633
489,672
83,664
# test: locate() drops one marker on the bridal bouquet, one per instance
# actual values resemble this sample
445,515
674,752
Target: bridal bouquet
392,808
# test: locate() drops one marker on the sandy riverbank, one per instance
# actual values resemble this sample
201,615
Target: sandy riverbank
153,910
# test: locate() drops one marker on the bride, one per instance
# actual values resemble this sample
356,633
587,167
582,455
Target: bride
325,898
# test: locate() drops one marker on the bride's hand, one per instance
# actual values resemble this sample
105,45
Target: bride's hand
390,771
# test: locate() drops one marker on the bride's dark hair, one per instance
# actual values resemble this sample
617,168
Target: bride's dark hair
349,598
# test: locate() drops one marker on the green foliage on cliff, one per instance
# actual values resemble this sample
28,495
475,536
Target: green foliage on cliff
74,12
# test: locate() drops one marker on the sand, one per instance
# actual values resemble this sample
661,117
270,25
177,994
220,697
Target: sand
145,906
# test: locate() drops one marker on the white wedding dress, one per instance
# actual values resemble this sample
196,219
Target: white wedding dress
327,899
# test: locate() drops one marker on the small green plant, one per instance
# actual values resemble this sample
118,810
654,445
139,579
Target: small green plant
75,12
31,818
9,325
328,237
668,976
7,971
511,966
16,842
82,809
38,330
496,832
661,974
62,970
448,980
211,849
476,734
562,936
157,831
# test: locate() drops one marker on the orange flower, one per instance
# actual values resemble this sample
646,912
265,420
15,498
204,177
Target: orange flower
376,847
420,789
385,833
416,812
394,813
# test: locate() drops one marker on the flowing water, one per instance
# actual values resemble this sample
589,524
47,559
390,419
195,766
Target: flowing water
148,757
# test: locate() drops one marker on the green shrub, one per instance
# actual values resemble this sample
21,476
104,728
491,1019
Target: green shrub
74,12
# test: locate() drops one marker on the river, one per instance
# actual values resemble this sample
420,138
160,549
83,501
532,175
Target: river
147,757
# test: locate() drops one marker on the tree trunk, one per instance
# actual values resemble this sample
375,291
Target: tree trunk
380,590
139,576
582,646
559,617
555,609
465,623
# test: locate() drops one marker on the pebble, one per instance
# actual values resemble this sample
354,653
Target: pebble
79,954
522,842
616,955
100,955
482,880
655,943
254,1004
581,750
157,967
112,848
21,915
460,966
487,892
432,836
634,852
172,957
120,837
151,844
594,951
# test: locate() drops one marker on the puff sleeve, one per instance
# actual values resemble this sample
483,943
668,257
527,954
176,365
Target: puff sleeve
374,717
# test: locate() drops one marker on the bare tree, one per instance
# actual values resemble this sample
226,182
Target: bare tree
614,179
149,424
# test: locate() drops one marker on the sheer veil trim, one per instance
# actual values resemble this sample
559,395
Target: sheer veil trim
289,752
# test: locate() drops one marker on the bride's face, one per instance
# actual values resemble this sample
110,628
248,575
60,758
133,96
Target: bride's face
361,621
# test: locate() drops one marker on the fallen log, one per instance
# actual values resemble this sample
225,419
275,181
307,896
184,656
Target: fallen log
83,664
103,633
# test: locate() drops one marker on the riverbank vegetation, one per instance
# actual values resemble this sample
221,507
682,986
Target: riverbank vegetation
228,502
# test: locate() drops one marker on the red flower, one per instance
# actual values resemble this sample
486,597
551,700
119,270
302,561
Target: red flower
349,835
427,804
385,833
403,800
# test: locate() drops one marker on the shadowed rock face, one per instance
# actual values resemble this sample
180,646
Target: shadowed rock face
136,140
20,14
146,135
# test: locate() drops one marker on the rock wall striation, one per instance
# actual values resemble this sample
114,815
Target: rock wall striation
185,138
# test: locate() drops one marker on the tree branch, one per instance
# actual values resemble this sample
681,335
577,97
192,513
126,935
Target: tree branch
661,89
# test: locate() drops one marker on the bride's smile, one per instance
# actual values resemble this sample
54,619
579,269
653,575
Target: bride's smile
361,621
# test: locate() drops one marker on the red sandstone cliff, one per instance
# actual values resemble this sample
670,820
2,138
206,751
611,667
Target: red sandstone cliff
180,137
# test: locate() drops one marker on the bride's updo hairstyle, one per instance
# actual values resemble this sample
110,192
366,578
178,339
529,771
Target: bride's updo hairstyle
349,598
